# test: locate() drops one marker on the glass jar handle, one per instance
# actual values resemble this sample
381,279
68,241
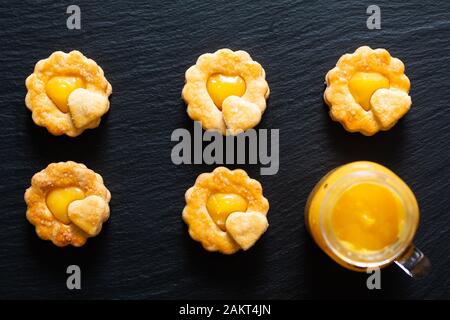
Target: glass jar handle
414,262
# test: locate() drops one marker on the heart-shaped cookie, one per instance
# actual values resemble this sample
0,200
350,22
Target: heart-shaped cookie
86,106
239,114
246,227
389,105
89,214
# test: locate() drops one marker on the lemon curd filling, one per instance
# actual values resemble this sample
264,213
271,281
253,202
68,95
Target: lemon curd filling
362,86
58,201
221,86
368,217
59,88
221,205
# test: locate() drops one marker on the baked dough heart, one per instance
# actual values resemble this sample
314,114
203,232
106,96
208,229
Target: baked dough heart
246,227
86,107
389,105
89,214
240,115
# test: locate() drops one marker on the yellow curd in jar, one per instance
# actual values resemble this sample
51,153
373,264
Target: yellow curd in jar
362,215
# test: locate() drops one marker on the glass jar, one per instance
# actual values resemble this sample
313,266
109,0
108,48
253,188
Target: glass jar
391,197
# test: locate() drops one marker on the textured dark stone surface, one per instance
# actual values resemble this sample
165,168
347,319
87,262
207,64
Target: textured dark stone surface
144,48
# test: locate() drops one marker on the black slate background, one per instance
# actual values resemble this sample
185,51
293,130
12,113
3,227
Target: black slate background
144,47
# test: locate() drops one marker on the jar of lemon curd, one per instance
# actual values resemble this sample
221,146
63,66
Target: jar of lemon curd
364,216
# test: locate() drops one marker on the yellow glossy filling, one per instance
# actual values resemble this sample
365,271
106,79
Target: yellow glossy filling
58,201
221,87
363,85
59,88
221,205
368,216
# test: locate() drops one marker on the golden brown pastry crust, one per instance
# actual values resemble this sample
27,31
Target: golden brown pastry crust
388,105
44,111
60,175
238,113
202,228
